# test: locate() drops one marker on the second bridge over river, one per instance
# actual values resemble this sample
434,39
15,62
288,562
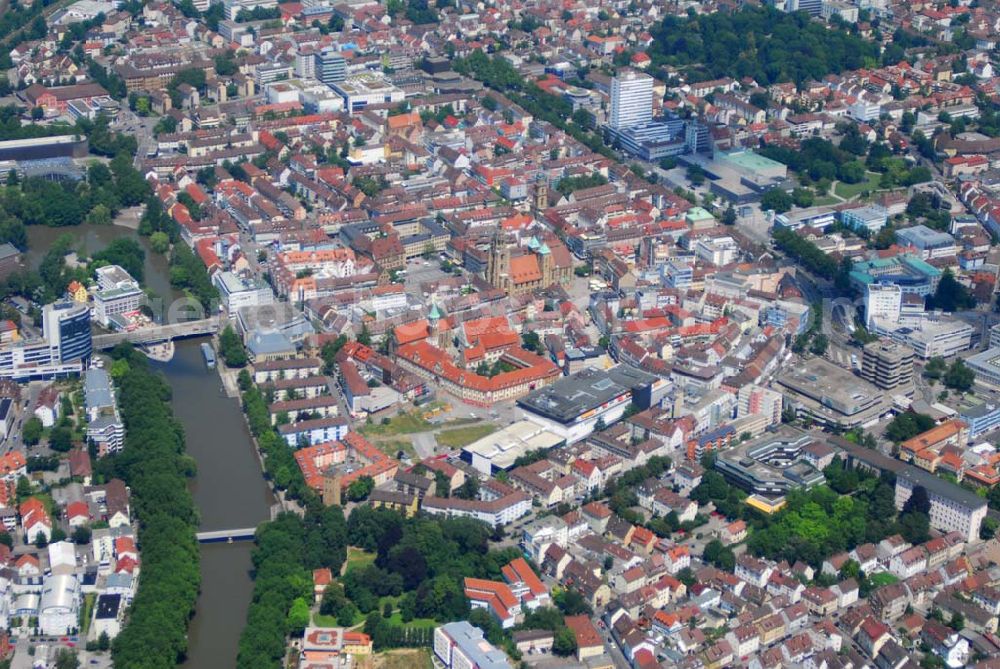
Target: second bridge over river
158,333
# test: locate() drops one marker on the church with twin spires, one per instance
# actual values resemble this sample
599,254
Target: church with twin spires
521,270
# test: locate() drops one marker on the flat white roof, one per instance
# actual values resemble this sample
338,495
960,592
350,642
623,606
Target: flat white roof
502,448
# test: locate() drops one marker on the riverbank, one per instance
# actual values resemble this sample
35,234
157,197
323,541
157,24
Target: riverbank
89,239
152,465
159,352
129,218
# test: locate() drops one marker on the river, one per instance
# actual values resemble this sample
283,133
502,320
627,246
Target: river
230,493
92,238
229,489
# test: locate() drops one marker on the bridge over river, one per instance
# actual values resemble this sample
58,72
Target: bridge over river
227,536
158,333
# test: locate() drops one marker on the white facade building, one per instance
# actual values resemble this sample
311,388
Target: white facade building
882,301
459,645
238,292
631,100
953,509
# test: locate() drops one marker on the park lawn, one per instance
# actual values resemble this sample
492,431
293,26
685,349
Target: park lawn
417,623
358,559
392,447
882,578
458,422
321,620
847,191
463,436
87,612
826,201
404,423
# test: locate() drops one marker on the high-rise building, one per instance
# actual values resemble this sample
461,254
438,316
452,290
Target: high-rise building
331,68
67,328
888,365
305,63
697,138
631,99
758,400
811,7
64,348
882,301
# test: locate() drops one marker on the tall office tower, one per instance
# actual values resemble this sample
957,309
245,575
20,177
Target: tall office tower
811,7
331,68
888,365
305,62
631,99
882,302
66,327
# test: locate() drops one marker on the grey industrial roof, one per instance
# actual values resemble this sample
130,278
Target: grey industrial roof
931,483
942,488
630,377
565,399
470,640
925,237
97,389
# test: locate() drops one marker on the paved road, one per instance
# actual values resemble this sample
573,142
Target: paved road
141,128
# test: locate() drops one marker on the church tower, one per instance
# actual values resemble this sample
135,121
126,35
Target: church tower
498,264
437,335
547,265
541,194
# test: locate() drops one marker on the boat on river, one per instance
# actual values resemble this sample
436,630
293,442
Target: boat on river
208,354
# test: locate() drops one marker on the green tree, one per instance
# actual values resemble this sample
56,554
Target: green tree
571,602
819,344
564,642
231,348
66,658
935,368
531,341
908,424
160,242
988,528
365,337
960,376
695,175
802,197
719,555
99,215
298,617
125,252
950,295
918,502
31,433
776,199
119,369
729,216
61,439
153,460
360,488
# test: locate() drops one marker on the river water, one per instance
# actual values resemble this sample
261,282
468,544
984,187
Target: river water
229,489
89,239
230,493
